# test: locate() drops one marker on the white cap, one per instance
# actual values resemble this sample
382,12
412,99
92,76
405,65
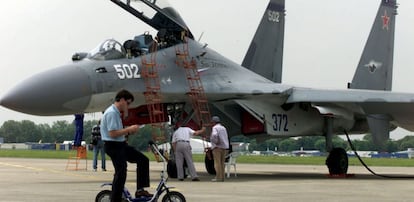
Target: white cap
215,119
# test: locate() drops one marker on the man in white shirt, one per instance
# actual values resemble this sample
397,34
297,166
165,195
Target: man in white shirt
220,145
182,150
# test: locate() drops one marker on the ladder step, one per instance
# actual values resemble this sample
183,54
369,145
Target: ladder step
187,66
181,54
150,75
156,112
151,89
196,91
193,78
150,65
156,100
202,101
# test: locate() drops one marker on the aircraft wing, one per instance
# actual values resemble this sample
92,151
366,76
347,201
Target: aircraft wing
398,106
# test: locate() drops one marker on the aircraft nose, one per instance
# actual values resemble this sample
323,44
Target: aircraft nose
60,91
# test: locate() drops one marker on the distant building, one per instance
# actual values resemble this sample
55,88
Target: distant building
307,153
409,153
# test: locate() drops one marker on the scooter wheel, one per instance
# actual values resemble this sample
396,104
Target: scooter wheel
173,196
103,196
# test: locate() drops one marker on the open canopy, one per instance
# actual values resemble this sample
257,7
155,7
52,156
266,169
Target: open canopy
157,14
109,49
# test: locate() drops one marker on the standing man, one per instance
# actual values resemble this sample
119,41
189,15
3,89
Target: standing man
113,134
219,144
79,130
182,150
98,147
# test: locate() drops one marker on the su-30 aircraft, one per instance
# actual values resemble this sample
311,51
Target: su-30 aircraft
171,74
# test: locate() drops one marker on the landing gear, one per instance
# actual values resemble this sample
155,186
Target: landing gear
172,169
337,161
209,162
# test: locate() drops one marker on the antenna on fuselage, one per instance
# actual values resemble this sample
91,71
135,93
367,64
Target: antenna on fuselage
201,35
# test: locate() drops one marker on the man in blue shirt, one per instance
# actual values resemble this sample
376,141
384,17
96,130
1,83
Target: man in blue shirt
113,134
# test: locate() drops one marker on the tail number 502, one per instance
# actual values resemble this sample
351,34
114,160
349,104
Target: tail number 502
280,122
273,16
127,71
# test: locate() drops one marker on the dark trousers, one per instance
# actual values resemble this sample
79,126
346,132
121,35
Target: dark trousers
120,153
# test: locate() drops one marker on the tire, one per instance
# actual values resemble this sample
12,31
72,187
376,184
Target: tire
337,161
103,196
173,196
172,169
209,163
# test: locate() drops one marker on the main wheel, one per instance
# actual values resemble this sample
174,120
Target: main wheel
172,169
173,196
103,196
209,162
337,161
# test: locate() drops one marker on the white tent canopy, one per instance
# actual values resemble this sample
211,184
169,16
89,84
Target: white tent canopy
197,145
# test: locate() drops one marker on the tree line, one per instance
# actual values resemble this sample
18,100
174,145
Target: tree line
318,143
27,131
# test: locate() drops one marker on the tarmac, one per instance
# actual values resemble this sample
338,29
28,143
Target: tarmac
48,180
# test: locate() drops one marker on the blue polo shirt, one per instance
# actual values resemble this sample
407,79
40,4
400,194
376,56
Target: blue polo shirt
111,120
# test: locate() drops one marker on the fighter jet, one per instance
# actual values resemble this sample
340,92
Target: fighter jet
171,70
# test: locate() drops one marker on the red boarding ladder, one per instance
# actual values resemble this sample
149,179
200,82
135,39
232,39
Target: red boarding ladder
153,97
196,94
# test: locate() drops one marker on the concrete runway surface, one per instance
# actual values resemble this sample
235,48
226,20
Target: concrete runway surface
47,180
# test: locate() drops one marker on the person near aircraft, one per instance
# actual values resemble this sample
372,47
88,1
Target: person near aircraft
182,150
98,147
132,48
113,134
219,145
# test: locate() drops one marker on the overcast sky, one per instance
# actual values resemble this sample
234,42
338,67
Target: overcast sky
323,39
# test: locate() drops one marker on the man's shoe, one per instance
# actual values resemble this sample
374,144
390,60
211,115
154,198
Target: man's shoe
195,179
142,193
103,169
180,179
217,180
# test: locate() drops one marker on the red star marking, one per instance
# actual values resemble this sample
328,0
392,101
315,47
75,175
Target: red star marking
385,20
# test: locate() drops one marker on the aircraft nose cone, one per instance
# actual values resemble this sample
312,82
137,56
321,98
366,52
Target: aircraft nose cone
60,91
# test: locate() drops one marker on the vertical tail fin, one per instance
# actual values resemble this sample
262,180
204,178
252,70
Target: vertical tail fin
265,52
374,70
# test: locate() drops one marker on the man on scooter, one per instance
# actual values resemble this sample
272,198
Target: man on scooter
113,134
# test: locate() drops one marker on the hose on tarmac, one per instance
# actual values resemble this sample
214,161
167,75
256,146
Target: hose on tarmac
371,171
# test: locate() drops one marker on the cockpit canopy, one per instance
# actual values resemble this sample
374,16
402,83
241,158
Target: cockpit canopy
110,49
